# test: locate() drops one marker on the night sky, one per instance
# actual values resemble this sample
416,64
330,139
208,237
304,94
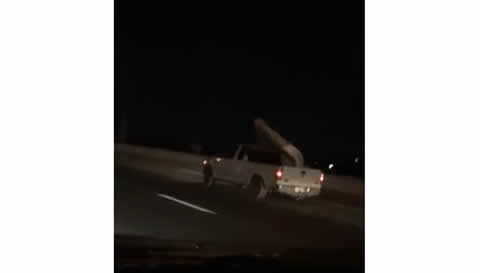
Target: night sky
180,76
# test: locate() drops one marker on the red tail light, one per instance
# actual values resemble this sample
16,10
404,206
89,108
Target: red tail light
322,177
279,174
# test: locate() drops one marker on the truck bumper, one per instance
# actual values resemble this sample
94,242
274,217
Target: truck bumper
298,191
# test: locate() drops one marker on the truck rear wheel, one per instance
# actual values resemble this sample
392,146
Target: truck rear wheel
256,188
208,178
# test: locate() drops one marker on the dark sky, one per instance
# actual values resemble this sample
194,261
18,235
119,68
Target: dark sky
180,74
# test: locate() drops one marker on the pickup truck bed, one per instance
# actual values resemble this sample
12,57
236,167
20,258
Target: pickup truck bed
300,182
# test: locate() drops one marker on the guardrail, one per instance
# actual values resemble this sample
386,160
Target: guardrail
146,159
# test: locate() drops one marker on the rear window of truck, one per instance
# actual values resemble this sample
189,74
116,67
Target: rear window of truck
264,157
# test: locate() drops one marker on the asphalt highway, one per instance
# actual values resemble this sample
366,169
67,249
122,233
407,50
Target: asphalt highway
173,209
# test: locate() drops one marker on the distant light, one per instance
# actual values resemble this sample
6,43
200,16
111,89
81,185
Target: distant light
308,189
356,160
330,166
219,159
204,162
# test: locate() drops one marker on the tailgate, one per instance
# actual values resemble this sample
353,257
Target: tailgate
300,176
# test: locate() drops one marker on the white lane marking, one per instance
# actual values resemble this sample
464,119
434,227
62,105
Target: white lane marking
185,203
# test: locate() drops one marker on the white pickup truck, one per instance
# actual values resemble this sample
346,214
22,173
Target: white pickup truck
260,171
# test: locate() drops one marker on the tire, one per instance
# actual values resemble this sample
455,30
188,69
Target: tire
208,178
256,188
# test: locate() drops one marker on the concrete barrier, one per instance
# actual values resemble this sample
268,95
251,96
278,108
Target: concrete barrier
189,160
345,184
189,165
